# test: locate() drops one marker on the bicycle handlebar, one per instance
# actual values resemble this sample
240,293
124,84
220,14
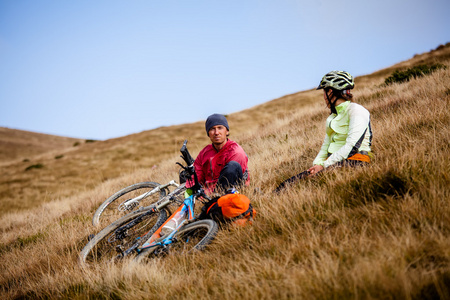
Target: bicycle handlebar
186,155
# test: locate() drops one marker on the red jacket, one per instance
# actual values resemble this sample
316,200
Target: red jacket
210,162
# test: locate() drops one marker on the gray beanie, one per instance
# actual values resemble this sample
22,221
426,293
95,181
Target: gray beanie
214,120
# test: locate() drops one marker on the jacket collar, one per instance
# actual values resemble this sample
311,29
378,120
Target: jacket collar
224,146
342,107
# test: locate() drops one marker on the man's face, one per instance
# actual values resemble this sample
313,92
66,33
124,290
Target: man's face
218,134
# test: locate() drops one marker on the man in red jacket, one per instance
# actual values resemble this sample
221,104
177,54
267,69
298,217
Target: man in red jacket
222,164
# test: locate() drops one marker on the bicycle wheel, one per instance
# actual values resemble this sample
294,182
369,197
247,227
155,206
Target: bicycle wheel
192,237
111,242
114,207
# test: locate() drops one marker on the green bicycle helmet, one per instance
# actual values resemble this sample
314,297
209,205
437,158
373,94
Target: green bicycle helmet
338,80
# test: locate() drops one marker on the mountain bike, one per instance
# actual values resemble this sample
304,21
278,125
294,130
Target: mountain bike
148,232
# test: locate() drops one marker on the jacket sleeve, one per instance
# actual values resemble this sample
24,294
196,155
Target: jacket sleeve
238,155
323,153
359,122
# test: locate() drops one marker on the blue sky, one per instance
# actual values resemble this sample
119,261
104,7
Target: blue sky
103,69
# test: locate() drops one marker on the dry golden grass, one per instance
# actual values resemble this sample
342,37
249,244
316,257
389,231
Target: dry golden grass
21,145
375,232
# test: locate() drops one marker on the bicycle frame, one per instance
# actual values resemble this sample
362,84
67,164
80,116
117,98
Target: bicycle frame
155,241
161,204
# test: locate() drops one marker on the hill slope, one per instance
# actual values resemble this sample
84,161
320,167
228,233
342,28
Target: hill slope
377,232
66,169
19,144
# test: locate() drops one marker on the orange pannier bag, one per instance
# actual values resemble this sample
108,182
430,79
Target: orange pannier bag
235,208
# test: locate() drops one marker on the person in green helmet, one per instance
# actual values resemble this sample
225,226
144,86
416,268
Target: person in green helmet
348,135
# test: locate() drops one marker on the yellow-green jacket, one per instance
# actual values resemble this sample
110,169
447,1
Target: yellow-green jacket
347,133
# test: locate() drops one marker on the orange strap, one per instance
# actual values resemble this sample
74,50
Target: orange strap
361,157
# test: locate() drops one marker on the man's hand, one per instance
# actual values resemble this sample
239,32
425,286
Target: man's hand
315,169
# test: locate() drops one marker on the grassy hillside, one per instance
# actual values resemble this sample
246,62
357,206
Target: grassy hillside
65,171
21,145
377,232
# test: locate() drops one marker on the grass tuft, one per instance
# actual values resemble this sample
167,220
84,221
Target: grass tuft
414,72
35,166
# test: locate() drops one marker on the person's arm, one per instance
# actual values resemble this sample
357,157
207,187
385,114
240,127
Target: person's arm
320,158
238,155
323,152
241,158
359,122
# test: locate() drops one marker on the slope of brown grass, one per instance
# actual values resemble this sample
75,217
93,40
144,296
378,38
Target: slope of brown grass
22,145
66,171
376,232
90,164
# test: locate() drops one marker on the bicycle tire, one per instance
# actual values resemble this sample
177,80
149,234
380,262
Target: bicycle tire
109,211
101,247
191,237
